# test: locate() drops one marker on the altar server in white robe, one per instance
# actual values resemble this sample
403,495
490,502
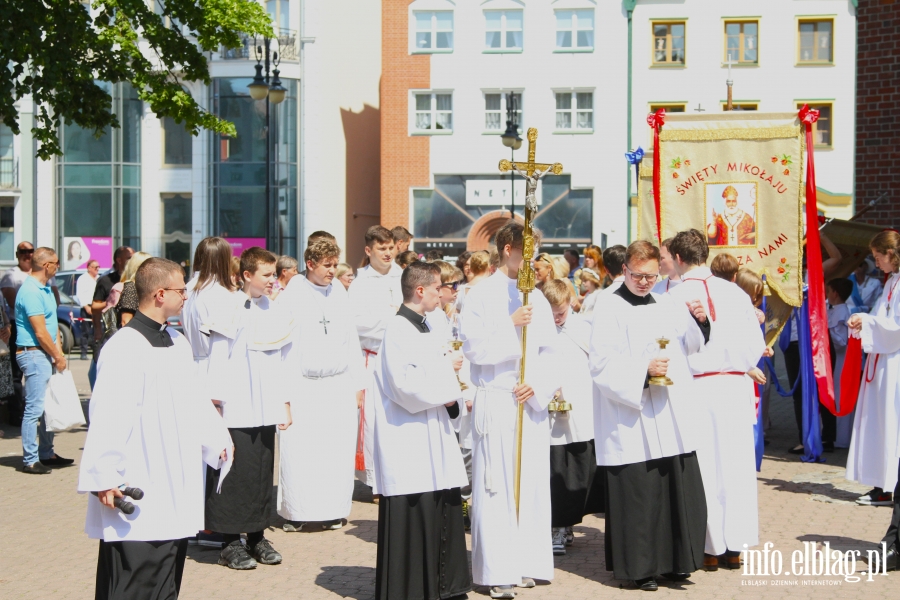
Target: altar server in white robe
873,455
576,489
152,427
210,293
666,269
647,435
418,467
721,383
249,370
614,263
327,376
375,296
507,552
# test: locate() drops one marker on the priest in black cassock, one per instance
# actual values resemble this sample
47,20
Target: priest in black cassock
647,435
418,465
152,427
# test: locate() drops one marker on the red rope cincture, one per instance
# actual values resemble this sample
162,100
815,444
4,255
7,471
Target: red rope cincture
656,121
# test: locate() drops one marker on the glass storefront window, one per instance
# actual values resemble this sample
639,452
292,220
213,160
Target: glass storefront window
238,169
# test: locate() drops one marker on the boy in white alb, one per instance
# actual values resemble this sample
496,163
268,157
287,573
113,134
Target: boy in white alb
248,370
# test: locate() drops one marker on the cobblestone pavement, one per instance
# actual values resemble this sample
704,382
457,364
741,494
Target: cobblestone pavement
47,555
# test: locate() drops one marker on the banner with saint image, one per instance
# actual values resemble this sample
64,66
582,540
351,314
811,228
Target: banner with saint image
737,177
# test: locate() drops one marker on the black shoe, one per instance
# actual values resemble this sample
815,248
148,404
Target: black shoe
264,553
58,461
36,469
648,584
676,576
235,556
892,561
827,446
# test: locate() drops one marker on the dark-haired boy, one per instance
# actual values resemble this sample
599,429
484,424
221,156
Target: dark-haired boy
837,291
151,426
418,466
247,377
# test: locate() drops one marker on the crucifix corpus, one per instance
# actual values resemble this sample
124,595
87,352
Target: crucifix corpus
531,172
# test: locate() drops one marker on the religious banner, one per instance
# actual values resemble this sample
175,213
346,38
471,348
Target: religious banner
737,177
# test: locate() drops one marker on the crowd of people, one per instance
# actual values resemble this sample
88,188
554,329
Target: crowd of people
638,398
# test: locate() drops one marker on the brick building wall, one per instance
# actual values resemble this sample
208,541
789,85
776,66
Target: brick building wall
404,158
877,121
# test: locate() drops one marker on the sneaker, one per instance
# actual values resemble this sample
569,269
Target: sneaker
506,592
36,469
235,556
527,582
570,536
332,525
559,541
876,499
264,553
293,526
467,521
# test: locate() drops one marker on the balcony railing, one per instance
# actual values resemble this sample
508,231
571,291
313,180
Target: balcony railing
287,47
9,173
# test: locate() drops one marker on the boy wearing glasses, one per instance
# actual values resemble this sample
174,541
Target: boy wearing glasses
247,375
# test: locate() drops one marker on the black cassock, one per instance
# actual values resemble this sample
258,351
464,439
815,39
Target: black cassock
576,483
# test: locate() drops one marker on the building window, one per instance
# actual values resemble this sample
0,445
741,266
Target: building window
433,112
7,230
742,42
669,43
503,30
671,107
434,31
280,12
574,111
823,128
177,143
575,30
8,175
176,227
816,41
741,105
495,110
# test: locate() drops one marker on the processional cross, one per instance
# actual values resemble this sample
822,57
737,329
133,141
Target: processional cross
532,172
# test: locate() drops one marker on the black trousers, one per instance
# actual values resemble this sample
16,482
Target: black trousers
892,537
145,570
829,421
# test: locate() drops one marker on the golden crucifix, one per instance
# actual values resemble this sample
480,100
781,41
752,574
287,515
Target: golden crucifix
532,172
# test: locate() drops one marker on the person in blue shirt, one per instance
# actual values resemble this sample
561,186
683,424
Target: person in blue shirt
38,352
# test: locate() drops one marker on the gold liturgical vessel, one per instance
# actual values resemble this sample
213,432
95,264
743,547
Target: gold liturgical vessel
558,404
664,380
457,345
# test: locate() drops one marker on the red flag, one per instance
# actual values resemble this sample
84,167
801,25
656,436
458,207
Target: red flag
850,376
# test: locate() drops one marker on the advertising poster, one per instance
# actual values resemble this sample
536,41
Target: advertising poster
79,250
238,245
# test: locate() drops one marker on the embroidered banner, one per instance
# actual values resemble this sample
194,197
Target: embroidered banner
737,177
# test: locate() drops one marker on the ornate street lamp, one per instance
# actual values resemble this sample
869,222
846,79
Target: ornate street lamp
511,140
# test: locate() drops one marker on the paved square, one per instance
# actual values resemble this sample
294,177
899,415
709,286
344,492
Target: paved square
47,555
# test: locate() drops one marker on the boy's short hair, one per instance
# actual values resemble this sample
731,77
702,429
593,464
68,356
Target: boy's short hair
252,258
401,234
557,292
842,287
378,234
320,250
724,266
153,275
614,259
418,273
512,234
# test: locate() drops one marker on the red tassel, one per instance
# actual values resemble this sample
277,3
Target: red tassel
656,121
360,445
850,378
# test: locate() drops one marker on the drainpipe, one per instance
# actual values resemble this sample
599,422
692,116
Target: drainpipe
629,7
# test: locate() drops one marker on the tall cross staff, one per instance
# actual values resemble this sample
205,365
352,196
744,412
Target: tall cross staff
531,172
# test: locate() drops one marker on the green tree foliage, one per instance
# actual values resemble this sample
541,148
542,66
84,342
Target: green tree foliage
55,51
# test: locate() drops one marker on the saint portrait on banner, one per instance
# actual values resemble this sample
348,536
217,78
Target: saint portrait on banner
731,218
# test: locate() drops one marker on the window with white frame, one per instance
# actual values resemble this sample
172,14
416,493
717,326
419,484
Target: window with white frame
574,30
503,30
434,31
495,106
434,112
574,111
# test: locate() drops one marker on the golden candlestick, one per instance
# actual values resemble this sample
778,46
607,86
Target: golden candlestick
661,380
532,172
457,345
559,404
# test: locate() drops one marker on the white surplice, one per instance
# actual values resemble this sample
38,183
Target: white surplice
872,459
415,446
504,550
374,300
249,361
634,423
728,458
317,452
203,307
665,285
442,327
573,342
152,427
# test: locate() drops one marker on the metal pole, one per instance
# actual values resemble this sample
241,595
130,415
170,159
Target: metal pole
512,185
268,157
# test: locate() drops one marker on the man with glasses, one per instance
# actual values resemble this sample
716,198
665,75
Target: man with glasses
38,352
647,428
